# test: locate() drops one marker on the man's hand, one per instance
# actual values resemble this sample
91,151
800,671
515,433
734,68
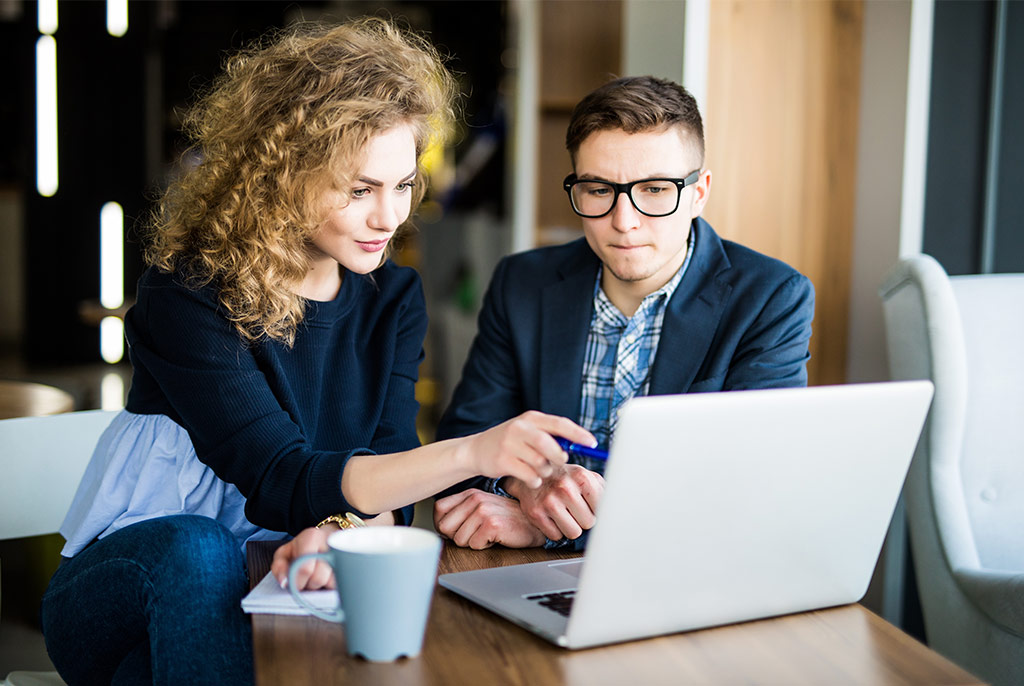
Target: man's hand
565,503
478,520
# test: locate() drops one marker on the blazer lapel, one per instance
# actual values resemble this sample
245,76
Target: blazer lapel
567,307
692,316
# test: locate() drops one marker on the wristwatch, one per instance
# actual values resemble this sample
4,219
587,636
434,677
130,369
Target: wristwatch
345,521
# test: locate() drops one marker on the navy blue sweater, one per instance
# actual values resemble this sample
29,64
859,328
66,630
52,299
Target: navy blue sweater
278,423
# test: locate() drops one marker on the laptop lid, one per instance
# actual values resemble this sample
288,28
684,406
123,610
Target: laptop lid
725,507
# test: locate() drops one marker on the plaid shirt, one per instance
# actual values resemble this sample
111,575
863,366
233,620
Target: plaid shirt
619,356
616,366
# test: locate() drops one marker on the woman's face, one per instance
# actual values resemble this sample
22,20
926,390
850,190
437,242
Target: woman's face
355,234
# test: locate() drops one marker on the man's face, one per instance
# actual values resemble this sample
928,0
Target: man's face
641,253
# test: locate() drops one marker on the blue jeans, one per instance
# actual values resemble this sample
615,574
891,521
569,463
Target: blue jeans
157,602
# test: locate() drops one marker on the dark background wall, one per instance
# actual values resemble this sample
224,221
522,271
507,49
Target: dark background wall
958,135
119,101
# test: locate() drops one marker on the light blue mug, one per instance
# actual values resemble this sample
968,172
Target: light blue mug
385,577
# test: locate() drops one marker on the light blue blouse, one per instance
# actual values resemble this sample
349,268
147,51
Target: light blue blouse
130,476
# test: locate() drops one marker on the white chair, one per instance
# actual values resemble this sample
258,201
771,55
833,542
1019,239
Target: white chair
42,460
965,490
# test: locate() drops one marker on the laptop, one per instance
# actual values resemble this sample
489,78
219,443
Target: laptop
721,508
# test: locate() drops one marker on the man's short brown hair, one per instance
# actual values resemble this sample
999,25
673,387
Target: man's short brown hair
634,104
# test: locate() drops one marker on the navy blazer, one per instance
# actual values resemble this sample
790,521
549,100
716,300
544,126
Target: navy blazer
738,320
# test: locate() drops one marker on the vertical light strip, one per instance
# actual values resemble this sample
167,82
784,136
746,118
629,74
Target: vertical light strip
111,280
112,392
117,17
915,142
47,17
696,39
525,123
111,339
111,256
46,116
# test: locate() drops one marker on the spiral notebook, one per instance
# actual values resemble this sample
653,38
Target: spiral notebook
268,598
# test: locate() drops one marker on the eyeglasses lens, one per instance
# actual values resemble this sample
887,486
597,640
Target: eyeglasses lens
595,198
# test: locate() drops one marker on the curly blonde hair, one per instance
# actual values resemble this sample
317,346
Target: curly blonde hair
286,122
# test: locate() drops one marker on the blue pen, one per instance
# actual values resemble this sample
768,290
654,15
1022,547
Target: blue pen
577,449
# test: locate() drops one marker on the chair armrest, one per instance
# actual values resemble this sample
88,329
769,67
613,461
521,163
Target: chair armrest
999,594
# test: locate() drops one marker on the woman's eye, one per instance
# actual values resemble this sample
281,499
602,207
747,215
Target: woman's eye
405,186
360,192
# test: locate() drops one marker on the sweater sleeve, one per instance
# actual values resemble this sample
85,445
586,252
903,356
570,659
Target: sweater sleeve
211,381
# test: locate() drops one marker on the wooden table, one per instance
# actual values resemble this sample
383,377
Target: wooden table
466,644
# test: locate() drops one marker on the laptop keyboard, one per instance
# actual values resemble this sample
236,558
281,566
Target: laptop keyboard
560,601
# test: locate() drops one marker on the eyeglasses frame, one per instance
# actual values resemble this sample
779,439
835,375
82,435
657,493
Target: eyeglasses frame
627,188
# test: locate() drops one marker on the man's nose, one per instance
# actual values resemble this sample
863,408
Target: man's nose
624,215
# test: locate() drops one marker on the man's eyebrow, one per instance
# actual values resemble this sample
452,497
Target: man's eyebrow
594,177
374,182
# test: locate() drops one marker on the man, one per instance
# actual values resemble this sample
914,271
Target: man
651,301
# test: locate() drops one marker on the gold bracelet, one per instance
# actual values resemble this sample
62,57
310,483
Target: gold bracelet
345,521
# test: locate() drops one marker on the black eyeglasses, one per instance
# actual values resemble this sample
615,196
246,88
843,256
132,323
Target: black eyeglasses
592,198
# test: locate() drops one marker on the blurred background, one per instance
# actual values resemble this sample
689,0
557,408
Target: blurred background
841,135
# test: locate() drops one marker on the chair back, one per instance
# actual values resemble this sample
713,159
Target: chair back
42,459
965,490
992,463
966,334
925,340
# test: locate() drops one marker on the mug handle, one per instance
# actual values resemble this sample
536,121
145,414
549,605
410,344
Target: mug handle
338,615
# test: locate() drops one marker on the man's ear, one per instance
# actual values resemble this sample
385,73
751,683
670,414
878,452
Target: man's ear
701,191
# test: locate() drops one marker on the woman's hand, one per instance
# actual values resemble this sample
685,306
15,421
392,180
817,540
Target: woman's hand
315,574
312,575
524,447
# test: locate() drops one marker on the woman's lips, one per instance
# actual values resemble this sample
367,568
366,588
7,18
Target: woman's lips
372,246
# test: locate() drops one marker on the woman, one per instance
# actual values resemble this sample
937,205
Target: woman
275,351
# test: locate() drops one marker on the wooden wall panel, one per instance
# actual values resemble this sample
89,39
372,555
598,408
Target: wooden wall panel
781,131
